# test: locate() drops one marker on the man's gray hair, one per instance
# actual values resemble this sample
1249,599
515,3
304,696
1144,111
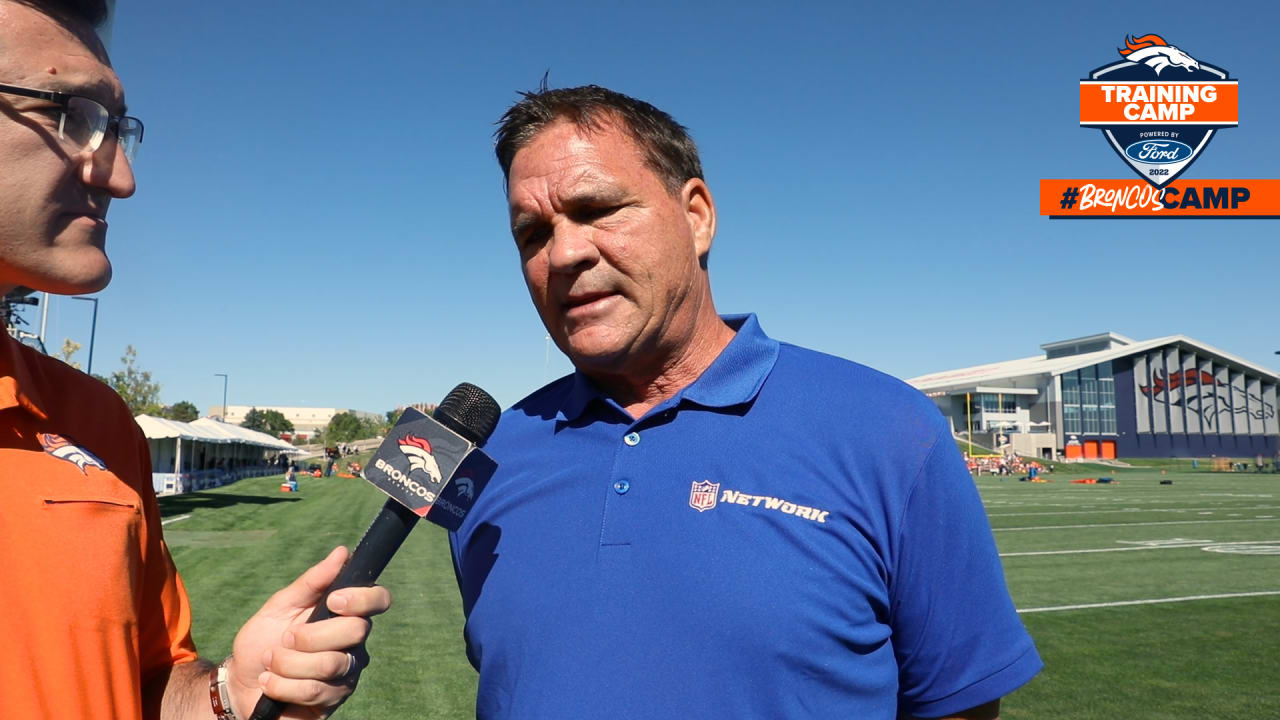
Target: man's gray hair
667,147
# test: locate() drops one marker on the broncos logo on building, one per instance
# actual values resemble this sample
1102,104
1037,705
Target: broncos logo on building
1198,390
418,451
63,449
1154,52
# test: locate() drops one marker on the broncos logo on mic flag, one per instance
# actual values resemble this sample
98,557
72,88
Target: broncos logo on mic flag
63,449
418,450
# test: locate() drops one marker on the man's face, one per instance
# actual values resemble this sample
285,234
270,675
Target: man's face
610,254
53,198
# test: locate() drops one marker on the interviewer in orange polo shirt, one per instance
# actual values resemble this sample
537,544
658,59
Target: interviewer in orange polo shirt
95,621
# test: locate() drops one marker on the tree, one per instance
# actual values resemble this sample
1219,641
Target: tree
134,385
69,347
276,422
271,422
372,427
182,411
344,427
393,416
255,419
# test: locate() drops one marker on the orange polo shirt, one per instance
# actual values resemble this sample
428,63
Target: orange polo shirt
92,605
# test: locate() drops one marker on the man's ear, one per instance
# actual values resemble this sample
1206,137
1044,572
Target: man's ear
700,211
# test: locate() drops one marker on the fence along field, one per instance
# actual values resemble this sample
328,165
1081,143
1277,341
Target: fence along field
1147,601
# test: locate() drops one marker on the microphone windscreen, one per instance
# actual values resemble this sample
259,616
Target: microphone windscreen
470,412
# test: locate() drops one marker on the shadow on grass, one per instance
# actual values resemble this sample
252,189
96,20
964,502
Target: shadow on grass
186,502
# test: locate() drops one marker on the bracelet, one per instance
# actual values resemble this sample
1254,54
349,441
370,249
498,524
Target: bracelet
219,697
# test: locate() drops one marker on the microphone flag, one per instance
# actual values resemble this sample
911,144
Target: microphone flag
430,469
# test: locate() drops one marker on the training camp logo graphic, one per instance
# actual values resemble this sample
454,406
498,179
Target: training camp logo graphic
418,451
1157,106
64,449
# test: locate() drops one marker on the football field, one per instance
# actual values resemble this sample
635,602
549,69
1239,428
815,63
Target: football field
1146,600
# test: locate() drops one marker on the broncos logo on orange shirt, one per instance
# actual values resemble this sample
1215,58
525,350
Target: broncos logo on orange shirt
63,449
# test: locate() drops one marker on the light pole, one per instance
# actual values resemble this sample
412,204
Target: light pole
224,394
93,329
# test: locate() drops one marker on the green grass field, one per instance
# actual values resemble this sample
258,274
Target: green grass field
1112,548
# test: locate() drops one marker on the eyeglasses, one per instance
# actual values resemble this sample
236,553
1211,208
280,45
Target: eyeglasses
84,123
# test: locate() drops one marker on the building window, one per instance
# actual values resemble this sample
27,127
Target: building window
1091,420
1108,416
1107,392
1071,419
1106,385
1088,386
1070,389
1106,399
1104,371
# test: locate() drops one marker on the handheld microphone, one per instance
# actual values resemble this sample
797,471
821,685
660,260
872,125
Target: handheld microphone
430,466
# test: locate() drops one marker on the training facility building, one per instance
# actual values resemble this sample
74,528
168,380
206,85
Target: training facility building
1108,396
307,421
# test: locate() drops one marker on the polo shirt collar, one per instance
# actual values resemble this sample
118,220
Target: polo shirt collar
738,373
17,387
581,392
733,378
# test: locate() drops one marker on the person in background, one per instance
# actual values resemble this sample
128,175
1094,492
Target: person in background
96,621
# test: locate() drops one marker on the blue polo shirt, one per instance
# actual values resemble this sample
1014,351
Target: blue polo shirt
792,535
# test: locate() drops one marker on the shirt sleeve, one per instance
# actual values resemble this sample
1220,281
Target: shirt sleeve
958,640
164,612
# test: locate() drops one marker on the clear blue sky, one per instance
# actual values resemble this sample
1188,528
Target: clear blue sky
315,168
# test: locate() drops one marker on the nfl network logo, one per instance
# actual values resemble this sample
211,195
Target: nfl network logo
702,495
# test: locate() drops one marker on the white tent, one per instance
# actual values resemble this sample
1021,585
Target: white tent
204,453
237,434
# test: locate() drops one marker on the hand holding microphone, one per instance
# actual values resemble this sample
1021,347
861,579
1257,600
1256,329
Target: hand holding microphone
430,467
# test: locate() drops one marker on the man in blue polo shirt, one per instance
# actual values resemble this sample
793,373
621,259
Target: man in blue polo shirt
701,521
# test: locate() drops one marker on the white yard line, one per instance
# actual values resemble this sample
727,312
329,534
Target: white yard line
1089,606
1131,502
1189,545
174,519
1248,495
1127,510
1100,525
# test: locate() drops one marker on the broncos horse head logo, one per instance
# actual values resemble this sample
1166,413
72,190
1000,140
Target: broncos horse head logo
466,488
64,449
418,450
1154,52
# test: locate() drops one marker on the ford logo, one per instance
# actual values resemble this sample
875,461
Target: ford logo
1158,152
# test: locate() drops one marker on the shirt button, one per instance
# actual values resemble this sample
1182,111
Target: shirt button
621,487
631,439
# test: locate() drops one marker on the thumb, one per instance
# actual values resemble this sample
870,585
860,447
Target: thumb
310,585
